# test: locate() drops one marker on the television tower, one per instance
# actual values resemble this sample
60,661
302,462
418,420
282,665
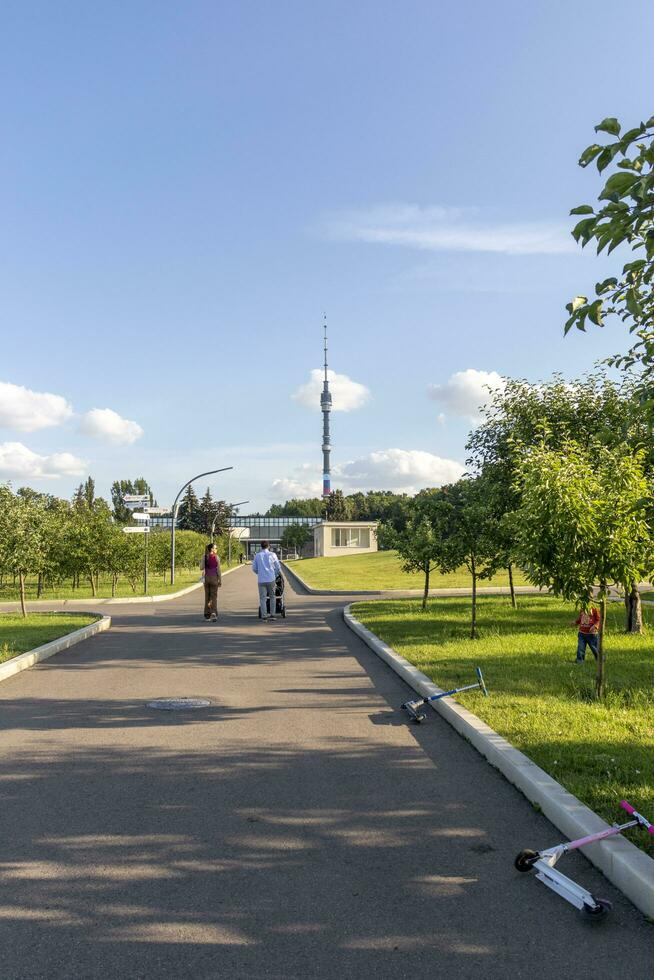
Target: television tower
326,407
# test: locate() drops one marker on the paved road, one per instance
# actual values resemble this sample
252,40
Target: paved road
296,828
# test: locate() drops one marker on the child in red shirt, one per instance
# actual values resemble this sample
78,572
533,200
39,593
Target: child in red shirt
588,622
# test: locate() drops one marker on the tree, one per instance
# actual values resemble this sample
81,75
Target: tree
419,547
312,507
295,536
189,515
472,534
625,216
119,488
22,540
582,524
336,507
591,410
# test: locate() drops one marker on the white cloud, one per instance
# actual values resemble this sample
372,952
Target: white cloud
16,460
26,410
347,395
401,470
465,392
291,489
448,229
107,425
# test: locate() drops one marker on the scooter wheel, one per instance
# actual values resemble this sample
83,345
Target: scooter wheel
259,612
525,860
284,613
602,908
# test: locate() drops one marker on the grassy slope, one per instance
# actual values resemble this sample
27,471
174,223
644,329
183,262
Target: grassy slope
539,699
381,570
17,635
183,578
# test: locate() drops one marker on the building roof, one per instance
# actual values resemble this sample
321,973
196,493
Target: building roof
348,524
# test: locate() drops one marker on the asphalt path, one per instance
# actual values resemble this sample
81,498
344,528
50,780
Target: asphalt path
297,827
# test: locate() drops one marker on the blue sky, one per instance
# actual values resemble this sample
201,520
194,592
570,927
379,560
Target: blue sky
185,189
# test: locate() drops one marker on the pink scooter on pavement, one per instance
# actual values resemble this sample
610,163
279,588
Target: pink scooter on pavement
542,862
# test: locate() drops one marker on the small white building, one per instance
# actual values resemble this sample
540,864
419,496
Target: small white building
333,538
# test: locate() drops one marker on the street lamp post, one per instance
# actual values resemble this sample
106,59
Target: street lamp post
239,503
176,508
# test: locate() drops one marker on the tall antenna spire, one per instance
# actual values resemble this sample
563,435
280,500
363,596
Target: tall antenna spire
326,407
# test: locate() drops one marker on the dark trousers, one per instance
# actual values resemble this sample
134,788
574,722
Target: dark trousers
210,597
584,639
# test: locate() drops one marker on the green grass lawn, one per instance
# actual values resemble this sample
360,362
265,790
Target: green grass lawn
17,635
183,578
540,700
382,570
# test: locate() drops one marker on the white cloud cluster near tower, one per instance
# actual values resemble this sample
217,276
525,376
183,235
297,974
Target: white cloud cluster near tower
347,395
399,470
465,392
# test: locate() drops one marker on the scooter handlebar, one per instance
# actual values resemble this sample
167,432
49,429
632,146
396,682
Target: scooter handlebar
645,824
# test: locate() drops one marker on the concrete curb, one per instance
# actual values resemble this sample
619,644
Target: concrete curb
410,593
624,864
25,660
128,600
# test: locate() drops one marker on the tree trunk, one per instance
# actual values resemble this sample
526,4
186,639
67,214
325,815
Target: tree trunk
599,678
512,586
21,583
425,594
114,581
92,581
473,625
39,586
97,581
633,610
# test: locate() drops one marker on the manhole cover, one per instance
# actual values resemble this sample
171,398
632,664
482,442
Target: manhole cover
178,704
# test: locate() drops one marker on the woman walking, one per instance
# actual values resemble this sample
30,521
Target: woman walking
210,566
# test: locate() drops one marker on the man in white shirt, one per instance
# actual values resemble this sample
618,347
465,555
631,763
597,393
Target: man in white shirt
266,567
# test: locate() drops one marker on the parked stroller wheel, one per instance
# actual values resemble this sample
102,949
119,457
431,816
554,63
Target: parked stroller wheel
602,908
525,860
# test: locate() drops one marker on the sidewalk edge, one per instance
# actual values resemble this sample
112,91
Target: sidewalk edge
25,660
624,864
411,593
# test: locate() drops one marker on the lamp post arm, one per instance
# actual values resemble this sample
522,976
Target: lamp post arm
176,508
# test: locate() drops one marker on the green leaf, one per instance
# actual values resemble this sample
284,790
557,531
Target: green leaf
631,135
583,209
595,313
649,123
577,303
605,285
609,125
634,266
584,229
618,185
606,156
632,303
589,154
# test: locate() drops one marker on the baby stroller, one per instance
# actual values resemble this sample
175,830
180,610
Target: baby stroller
280,605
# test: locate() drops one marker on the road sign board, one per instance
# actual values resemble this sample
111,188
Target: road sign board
134,497
140,517
136,530
157,510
